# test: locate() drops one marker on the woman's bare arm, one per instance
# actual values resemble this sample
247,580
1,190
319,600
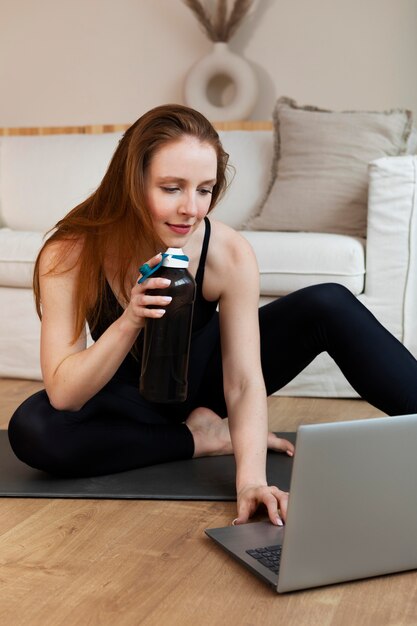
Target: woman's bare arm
243,380
72,372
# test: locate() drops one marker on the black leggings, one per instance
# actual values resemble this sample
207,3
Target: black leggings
118,430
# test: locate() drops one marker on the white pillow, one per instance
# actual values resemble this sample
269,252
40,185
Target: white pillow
319,176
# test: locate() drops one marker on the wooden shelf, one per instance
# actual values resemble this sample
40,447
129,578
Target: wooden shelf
97,129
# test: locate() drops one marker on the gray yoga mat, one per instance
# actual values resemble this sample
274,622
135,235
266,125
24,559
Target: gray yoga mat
208,478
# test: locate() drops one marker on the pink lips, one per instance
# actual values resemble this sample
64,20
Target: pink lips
180,229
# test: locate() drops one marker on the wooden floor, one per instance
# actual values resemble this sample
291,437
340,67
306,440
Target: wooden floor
65,562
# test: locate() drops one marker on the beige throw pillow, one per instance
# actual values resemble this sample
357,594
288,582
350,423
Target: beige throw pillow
319,176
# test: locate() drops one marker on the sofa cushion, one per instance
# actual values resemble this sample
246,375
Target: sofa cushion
319,177
290,261
18,251
44,177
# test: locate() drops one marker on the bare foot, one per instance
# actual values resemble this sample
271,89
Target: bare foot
212,437
211,433
280,445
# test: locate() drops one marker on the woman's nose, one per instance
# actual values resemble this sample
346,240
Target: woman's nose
189,205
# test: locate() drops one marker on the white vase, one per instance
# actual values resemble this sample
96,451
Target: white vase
222,71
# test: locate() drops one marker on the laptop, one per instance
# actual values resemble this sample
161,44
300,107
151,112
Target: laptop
352,510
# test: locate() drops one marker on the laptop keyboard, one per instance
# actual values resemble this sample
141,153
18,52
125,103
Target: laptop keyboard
269,556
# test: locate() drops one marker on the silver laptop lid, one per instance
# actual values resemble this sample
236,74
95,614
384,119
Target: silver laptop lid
353,502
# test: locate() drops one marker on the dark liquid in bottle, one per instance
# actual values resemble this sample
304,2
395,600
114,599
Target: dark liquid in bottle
167,340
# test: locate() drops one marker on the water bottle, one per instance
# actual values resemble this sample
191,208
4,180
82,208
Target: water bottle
166,342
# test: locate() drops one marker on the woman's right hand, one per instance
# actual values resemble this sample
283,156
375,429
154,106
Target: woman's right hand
138,308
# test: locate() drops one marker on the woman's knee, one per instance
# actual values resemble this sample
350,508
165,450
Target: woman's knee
329,298
27,422
33,432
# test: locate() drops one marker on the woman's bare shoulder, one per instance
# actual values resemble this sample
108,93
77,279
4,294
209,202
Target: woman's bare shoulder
228,243
230,257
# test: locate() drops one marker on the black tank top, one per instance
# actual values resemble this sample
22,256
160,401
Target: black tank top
203,309
111,310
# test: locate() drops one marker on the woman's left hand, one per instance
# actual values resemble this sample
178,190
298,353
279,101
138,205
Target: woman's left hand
251,496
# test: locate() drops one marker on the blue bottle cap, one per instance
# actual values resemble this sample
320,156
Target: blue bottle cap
146,270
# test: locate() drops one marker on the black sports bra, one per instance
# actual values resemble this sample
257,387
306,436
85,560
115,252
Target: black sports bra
203,309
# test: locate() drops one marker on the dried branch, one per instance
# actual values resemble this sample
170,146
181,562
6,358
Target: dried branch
221,28
220,23
203,18
240,9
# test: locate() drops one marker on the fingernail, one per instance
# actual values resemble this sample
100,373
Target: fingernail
290,453
279,521
165,281
167,298
234,521
160,312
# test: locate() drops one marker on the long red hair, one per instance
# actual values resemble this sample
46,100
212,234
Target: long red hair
115,220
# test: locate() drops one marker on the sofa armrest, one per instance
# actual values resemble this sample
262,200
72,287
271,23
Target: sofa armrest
391,257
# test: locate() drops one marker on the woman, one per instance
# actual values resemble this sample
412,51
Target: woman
165,177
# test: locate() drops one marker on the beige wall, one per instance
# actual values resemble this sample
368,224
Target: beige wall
107,61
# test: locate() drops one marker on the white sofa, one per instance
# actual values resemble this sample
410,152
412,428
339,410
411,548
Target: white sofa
44,176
